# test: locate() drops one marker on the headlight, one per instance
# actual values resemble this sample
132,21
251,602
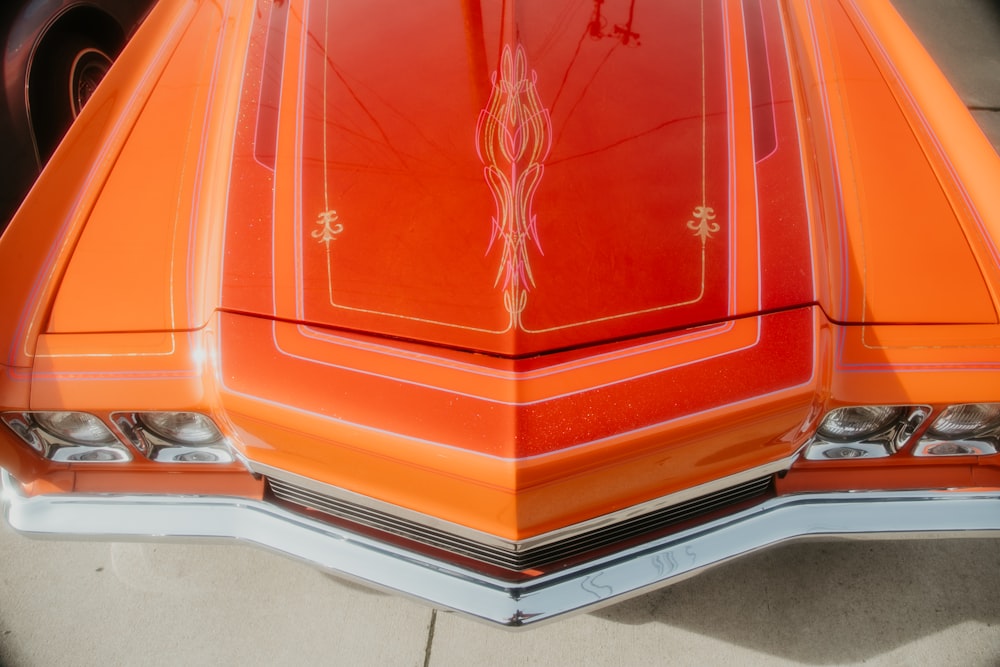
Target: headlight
865,431
860,422
963,421
71,437
78,427
968,429
175,437
189,428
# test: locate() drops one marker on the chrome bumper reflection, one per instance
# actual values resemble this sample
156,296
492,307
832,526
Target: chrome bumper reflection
583,587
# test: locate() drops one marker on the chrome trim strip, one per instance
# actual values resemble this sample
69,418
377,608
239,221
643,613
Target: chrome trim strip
583,587
359,519
552,536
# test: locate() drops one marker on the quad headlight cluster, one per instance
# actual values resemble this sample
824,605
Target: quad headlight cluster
174,437
874,431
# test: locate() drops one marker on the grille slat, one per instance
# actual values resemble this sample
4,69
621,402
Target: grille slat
513,556
658,519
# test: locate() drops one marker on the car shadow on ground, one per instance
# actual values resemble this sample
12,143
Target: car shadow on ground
832,602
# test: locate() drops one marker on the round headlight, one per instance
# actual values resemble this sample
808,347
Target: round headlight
858,423
959,421
189,428
78,427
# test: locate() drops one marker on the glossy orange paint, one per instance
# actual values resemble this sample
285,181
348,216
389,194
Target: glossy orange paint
551,443
881,190
374,272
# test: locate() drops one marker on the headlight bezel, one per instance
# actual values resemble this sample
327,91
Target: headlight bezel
40,430
882,439
156,442
979,439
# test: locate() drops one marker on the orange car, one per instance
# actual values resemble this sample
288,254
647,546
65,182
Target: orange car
513,307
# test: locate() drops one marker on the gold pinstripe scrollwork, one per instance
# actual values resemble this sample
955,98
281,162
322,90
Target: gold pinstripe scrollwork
513,139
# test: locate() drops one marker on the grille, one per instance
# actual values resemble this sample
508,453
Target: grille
510,556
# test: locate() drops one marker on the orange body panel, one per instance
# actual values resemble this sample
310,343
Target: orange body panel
525,450
509,281
895,240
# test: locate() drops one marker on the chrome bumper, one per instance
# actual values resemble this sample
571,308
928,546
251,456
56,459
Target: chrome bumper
583,587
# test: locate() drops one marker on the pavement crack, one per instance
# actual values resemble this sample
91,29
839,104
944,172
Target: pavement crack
430,638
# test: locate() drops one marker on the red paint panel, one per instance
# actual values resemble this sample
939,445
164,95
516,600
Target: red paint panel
783,218
514,183
541,219
247,264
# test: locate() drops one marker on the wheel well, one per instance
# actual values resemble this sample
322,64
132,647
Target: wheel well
76,25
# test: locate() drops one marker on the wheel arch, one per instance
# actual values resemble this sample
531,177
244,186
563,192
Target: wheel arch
79,20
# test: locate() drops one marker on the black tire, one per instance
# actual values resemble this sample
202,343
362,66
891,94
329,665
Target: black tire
64,73
87,70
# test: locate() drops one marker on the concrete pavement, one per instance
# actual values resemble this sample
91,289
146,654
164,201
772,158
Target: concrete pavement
876,603
964,38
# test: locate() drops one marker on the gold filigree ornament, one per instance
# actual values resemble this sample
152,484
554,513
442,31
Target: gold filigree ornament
513,139
330,227
702,225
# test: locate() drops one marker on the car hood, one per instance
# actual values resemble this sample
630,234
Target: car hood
507,179
585,182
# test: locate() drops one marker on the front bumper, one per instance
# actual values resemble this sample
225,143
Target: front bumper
602,581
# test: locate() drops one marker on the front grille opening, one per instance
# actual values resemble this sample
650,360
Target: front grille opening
544,557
